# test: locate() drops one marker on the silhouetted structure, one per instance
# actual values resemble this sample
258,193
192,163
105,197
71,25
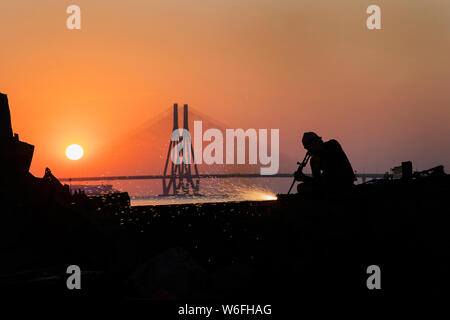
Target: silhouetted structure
181,176
15,155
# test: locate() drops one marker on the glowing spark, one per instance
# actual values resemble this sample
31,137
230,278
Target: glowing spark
269,197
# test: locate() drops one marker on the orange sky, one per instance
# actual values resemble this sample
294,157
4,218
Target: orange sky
289,64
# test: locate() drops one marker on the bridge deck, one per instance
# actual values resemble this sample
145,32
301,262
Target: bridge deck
363,176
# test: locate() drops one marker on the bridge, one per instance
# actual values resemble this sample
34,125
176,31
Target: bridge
362,176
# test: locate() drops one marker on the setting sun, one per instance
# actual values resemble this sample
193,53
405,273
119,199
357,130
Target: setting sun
74,152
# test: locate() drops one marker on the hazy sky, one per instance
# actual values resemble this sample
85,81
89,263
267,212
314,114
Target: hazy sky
294,65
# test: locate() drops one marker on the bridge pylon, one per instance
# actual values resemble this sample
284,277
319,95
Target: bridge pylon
183,178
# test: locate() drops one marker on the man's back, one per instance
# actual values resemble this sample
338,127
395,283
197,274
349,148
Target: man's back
334,165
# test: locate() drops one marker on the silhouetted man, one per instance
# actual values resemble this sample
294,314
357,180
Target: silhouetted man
329,164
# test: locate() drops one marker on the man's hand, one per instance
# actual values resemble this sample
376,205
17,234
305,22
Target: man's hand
299,176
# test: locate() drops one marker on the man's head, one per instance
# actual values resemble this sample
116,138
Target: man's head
312,142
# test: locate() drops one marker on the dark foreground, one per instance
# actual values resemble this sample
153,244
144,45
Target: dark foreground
317,245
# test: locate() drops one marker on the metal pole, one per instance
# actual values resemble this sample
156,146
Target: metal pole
300,168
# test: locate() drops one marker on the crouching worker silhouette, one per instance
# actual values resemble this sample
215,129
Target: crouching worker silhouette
331,169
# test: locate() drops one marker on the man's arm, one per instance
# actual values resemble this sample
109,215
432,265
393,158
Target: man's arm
315,168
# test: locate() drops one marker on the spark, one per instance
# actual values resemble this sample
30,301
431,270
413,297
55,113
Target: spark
268,197
258,195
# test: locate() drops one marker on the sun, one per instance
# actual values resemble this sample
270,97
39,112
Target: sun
74,152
